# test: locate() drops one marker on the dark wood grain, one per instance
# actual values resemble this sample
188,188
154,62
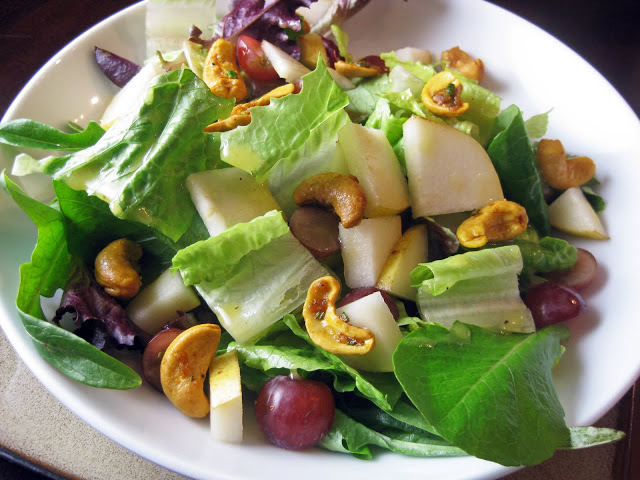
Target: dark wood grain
604,33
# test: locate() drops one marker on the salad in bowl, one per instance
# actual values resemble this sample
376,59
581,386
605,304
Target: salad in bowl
238,186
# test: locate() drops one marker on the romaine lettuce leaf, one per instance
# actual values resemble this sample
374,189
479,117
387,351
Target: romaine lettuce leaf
478,287
279,129
140,164
31,134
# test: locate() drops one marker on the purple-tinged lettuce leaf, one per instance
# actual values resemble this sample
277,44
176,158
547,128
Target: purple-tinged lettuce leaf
86,301
338,12
116,68
264,20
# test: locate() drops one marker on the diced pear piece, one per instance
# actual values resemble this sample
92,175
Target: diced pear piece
159,302
371,312
366,247
228,196
448,170
225,394
292,70
571,212
406,254
371,160
411,54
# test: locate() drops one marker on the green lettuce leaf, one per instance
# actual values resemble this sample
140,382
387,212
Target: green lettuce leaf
363,98
492,396
140,164
280,128
478,287
517,166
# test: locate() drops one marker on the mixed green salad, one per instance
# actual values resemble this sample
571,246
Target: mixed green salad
211,207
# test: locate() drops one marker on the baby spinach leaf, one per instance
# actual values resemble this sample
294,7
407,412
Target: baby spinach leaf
31,134
493,397
517,166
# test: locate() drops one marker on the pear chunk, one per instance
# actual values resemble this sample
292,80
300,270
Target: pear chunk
371,160
225,394
366,247
571,212
448,170
406,254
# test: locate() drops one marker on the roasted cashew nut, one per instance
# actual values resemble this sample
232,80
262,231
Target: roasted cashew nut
221,73
340,192
462,62
559,171
117,268
442,95
326,328
501,220
184,368
353,70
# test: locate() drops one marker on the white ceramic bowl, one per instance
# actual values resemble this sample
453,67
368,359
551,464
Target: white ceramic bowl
525,66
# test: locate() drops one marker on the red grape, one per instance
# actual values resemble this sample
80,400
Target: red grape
580,275
552,302
316,229
152,356
253,61
294,413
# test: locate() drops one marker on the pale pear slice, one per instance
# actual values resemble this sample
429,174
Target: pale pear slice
448,170
225,394
571,212
371,160
406,254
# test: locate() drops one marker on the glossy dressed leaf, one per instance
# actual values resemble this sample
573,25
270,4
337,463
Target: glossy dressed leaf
492,396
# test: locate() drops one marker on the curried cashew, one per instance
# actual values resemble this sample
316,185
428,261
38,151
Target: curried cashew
326,328
221,72
462,62
352,70
340,192
559,171
442,95
184,368
501,220
240,114
117,268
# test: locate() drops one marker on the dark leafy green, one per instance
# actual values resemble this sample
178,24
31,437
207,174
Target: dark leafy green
516,165
31,134
493,397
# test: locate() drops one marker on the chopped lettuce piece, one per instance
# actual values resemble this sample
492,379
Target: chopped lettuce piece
140,164
251,274
342,40
478,287
279,129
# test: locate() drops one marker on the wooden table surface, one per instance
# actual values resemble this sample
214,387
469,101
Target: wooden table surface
604,33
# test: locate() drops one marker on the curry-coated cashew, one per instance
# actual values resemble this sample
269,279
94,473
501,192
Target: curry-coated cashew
117,269
221,73
464,63
326,328
442,95
340,192
559,171
352,70
501,220
184,368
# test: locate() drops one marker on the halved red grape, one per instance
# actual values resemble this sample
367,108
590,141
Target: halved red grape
580,275
358,293
253,61
316,229
552,303
294,413
152,356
